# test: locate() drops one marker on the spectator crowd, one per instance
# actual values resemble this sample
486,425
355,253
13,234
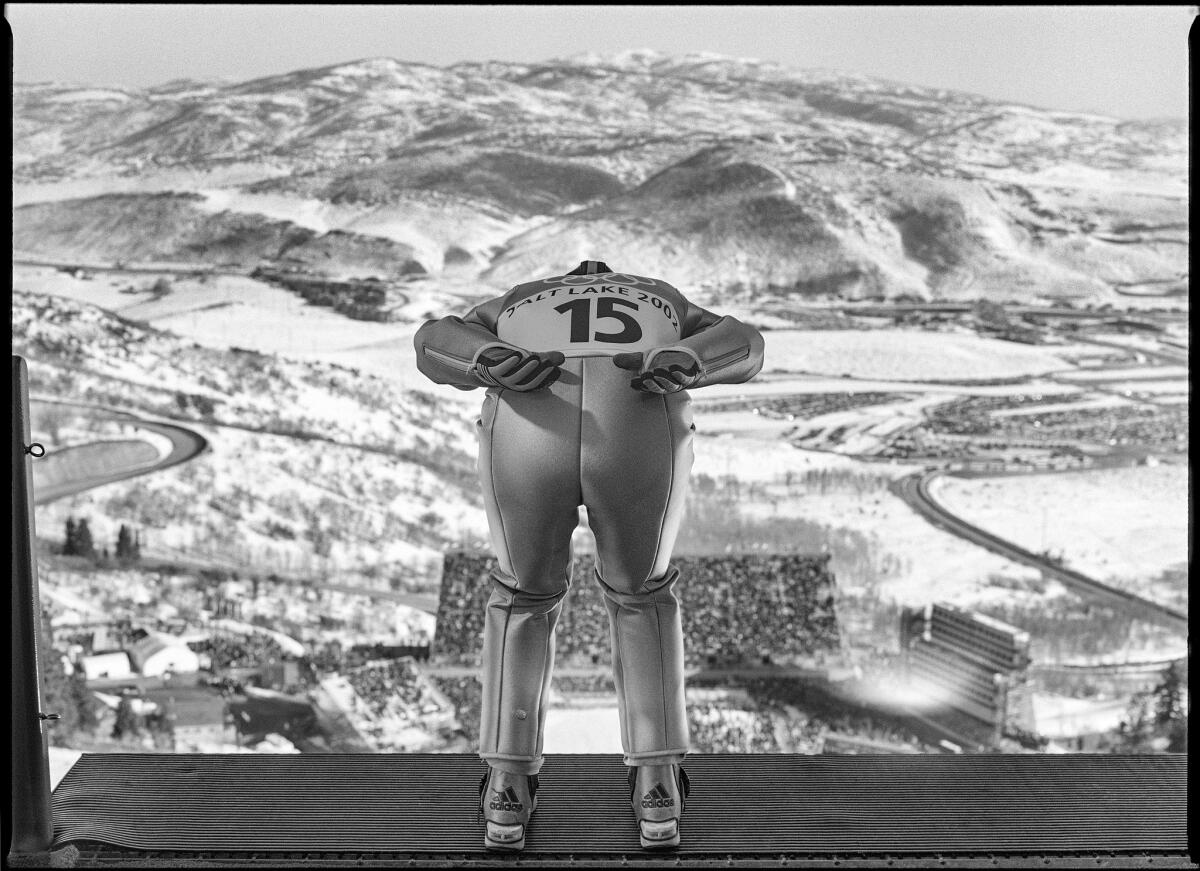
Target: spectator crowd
393,690
736,609
224,652
717,728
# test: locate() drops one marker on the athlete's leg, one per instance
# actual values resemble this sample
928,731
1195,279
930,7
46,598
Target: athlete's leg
634,488
528,464
647,653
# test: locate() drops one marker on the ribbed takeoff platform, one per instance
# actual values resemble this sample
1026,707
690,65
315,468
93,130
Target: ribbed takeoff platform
781,810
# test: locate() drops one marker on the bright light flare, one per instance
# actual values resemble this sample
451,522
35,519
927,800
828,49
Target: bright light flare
899,691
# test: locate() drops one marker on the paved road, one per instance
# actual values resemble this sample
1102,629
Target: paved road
191,269
185,445
915,491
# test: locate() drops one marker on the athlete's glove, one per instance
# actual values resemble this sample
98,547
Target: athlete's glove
514,369
669,371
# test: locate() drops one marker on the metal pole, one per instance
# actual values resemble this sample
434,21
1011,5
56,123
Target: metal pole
32,826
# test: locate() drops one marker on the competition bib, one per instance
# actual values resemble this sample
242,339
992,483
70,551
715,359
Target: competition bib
600,315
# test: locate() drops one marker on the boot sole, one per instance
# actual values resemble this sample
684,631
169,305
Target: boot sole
506,846
671,842
659,843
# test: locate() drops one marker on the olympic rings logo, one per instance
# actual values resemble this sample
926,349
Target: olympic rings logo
609,278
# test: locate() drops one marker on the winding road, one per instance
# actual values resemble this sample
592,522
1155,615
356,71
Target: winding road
186,444
914,490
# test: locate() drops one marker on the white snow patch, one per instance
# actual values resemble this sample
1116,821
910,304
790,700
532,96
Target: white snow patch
90,95
583,730
904,355
62,760
153,181
1078,176
1065,717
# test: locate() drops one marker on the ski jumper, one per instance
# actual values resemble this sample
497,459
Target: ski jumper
594,435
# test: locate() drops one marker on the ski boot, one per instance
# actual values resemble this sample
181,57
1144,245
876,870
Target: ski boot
658,794
506,802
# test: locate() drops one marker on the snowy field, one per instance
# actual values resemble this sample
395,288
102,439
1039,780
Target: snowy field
905,355
1121,526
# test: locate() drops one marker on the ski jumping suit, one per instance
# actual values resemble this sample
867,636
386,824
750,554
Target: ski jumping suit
589,438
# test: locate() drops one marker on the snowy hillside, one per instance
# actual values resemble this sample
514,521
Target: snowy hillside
310,464
722,175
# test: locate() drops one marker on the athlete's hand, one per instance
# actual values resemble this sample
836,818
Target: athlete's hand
523,371
669,372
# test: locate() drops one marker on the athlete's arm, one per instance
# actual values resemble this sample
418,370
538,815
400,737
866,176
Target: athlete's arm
713,349
465,352
728,350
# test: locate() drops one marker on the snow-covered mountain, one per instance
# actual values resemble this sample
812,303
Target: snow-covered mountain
728,177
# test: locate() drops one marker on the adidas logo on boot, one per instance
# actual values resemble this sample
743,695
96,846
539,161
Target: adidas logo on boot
506,801
657,809
658,797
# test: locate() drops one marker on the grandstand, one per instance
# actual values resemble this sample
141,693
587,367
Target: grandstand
972,663
393,706
736,609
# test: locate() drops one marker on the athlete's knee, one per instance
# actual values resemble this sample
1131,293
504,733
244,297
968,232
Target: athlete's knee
509,593
625,588
663,582
543,575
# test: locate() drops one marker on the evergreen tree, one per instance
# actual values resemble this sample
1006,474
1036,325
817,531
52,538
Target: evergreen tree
126,721
124,543
71,542
84,546
1168,697
1136,730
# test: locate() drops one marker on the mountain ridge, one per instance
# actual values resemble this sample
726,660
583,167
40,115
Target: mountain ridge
725,174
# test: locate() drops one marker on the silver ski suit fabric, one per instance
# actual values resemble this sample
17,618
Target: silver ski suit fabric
589,439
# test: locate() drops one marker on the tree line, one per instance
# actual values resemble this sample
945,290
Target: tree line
78,541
